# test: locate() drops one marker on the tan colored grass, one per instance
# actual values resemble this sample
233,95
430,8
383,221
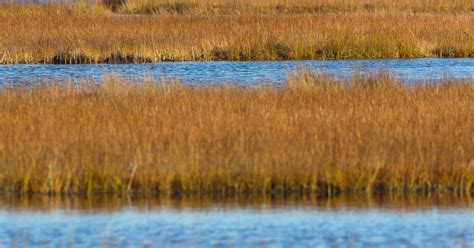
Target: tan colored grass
285,6
312,135
217,7
93,34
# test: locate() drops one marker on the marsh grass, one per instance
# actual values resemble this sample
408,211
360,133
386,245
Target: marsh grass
213,7
313,135
238,7
91,33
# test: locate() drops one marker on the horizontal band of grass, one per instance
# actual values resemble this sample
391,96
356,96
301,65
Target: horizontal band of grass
213,7
313,135
70,34
239,7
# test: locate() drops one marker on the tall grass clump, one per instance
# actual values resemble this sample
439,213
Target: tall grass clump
313,135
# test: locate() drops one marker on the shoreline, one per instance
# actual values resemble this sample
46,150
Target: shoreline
119,202
129,59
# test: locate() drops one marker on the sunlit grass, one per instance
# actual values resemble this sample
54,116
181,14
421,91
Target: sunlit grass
213,7
91,33
314,134
237,7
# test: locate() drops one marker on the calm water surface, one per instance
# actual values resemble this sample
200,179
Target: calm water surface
427,221
243,73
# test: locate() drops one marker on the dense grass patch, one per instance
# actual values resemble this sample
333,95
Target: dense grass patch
314,135
230,7
91,33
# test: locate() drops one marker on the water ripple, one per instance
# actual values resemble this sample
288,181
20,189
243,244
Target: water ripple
242,73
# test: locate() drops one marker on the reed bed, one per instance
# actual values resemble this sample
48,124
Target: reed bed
238,7
284,6
90,33
312,135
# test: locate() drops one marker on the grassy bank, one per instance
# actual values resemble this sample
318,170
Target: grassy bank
94,34
312,135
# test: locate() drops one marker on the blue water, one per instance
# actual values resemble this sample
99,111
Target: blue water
242,73
292,224
240,227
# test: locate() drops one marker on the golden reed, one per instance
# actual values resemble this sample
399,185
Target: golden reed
92,33
284,6
312,135
218,7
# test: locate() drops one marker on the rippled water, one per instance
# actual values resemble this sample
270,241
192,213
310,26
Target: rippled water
244,73
426,221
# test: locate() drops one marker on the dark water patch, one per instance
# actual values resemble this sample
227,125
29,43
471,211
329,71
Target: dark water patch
396,202
242,73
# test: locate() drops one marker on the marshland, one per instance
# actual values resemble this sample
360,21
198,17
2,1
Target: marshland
236,123
123,162
315,134
95,33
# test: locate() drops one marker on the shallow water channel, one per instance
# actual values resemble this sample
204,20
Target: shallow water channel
242,73
239,221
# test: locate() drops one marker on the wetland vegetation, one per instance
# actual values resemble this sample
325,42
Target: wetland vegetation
262,153
315,134
160,7
140,31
